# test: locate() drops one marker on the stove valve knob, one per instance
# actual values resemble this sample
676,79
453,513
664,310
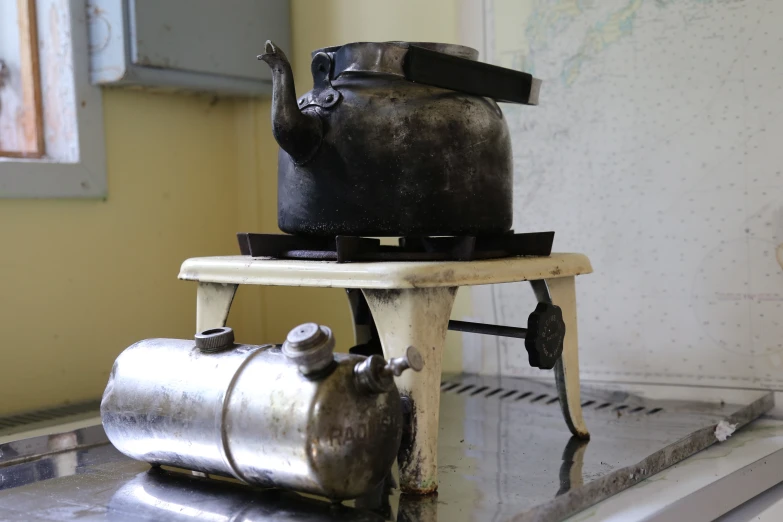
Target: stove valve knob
375,375
545,335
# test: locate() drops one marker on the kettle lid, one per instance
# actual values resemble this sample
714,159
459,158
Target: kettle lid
448,66
358,49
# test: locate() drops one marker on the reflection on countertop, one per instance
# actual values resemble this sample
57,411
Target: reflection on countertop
164,495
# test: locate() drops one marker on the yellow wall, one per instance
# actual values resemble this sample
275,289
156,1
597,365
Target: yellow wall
336,22
84,279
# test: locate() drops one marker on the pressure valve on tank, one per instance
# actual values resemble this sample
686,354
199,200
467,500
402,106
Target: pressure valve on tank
311,347
298,417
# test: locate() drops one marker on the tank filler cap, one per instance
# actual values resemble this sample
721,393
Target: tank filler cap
215,339
311,347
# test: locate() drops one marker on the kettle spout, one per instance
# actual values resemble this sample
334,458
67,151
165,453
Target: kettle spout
297,133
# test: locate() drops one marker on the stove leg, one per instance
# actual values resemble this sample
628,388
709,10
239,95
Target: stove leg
213,301
416,317
562,292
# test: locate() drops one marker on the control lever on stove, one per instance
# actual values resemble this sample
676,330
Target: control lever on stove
543,336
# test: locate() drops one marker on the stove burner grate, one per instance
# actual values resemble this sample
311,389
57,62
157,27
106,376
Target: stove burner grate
346,249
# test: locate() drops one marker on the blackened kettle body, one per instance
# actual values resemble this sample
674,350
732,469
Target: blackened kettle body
395,139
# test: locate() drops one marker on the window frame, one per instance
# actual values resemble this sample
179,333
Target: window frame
86,176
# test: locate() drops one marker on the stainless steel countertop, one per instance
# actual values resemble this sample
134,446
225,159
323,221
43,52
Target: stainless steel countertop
504,454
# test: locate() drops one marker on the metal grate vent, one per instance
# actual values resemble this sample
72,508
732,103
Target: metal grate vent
502,394
28,419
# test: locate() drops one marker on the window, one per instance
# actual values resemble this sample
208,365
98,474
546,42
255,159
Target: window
51,118
21,124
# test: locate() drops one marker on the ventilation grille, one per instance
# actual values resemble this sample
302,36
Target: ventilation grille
28,419
503,394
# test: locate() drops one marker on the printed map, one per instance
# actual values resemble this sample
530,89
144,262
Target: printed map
657,150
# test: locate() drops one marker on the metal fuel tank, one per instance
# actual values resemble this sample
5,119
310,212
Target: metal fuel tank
298,417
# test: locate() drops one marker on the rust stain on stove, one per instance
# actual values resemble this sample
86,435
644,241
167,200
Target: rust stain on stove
437,279
410,461
384,297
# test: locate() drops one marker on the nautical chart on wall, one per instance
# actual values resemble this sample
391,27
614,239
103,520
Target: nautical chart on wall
657,150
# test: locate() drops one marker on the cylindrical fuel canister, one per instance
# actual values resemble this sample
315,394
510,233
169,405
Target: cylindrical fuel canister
292,418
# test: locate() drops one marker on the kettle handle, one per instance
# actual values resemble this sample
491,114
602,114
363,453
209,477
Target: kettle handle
459,74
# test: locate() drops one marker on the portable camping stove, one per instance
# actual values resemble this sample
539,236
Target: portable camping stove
410,303
505,454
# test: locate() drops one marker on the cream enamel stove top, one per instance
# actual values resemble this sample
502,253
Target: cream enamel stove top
410,304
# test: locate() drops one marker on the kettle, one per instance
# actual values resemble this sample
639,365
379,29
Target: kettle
395,139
